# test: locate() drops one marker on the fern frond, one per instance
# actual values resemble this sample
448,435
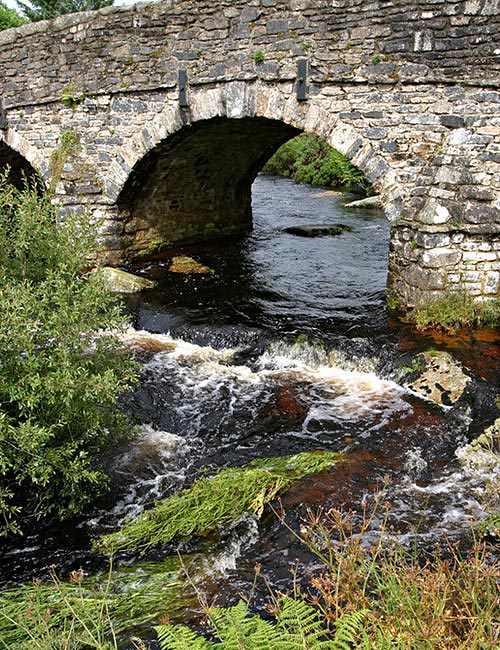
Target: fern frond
348,630
180,637
239,631
301,623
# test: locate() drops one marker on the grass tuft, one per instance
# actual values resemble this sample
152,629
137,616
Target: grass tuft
89,612
217,501
455,309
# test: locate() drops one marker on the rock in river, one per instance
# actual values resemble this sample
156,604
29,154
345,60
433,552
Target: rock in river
317,230
370,203
119,281
185,264
438,377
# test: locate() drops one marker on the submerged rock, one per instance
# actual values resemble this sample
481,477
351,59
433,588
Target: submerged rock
371,202
119,281
315,230
184,264
437,376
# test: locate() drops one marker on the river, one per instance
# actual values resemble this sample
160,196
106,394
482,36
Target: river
285,347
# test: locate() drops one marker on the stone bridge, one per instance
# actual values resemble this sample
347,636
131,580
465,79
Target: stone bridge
159,116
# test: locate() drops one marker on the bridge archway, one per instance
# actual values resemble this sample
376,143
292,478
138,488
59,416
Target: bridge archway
196,184
19,170
192,180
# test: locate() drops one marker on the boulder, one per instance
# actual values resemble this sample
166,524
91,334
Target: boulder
438,377
317,230
184,264
119,281
370,203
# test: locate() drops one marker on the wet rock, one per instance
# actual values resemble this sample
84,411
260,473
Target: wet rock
314,230
437,376
184,264
370,203
146,344
119,281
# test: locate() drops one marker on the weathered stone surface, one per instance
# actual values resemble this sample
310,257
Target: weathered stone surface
371,202
440,257
440,378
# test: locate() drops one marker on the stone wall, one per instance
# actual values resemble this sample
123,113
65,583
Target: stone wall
409,91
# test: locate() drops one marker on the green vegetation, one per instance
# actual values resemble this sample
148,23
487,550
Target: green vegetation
455,309
89,612
47,9
59,381
369,597
217,501
71,96
308,159
69,144
258,56
9,17
297,627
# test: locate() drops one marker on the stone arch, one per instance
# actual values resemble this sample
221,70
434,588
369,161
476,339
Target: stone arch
187,176
21,170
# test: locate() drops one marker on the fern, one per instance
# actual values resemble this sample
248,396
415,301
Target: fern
180,637
301,623
348,629
298,627
237,630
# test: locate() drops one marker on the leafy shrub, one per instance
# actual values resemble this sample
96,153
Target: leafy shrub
308,159
9,17
59,382
48,9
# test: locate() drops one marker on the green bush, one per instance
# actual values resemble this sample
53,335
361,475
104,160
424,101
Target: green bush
48,9
59,382
308,159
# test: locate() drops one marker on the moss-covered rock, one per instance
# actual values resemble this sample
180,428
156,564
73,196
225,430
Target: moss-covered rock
119,281
186,265
315,230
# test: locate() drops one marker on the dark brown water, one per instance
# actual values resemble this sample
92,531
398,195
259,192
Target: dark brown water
285,347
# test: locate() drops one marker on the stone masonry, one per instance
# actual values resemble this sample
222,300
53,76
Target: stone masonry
157,117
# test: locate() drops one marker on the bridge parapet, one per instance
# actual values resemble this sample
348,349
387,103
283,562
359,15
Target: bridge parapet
143,46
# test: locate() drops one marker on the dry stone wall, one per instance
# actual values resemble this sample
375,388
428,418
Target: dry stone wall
409,91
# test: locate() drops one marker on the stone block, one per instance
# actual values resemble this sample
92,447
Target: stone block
492,282
437,240
476,193
425,280
482,214
452,121
433,213
441,257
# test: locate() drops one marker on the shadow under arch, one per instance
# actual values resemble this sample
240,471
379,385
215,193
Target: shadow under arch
196,184
18,170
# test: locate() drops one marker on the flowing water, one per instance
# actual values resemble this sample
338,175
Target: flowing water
285,347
